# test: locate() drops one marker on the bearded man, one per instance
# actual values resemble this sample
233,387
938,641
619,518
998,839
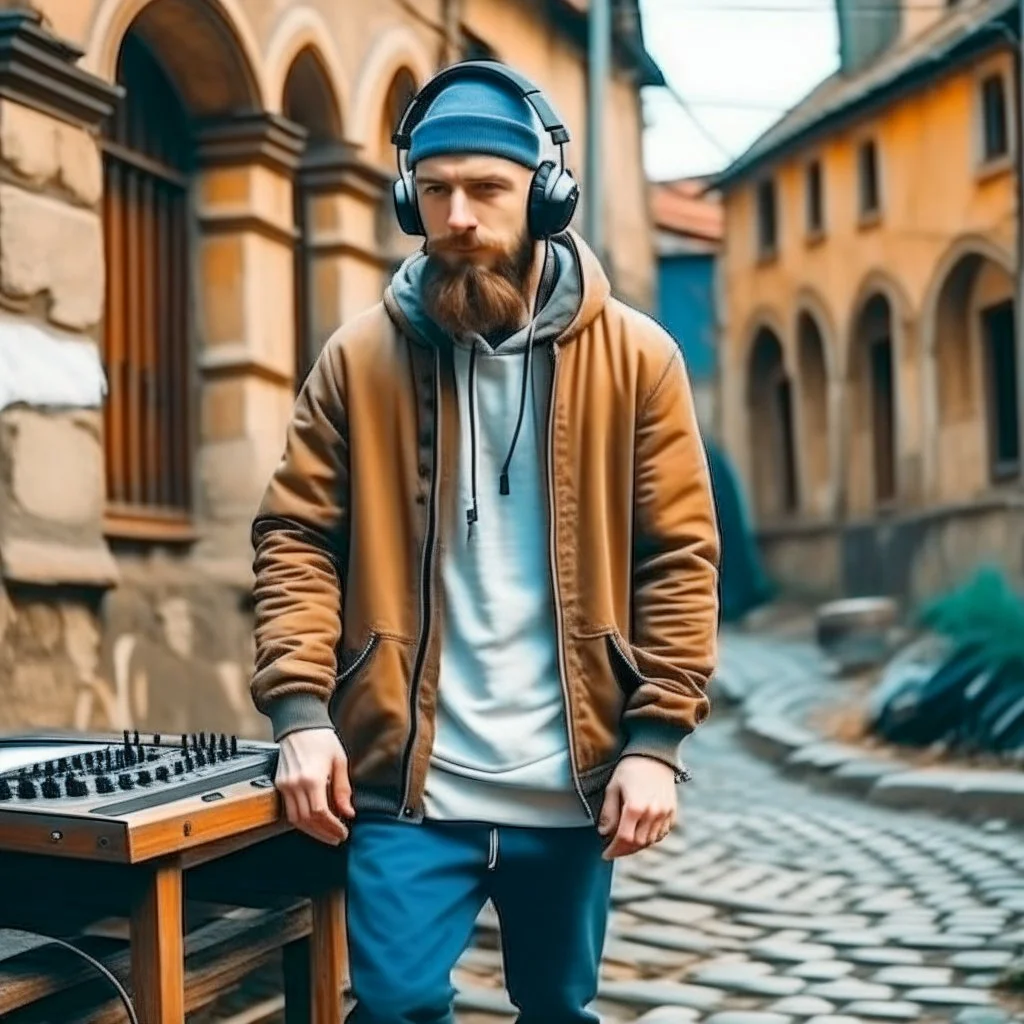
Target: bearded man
486,580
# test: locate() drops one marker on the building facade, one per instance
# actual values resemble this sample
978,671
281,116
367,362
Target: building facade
870,378
194,194
688,236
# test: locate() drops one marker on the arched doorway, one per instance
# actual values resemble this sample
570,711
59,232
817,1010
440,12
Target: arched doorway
977,440
309,101
772,446
815,425
872,376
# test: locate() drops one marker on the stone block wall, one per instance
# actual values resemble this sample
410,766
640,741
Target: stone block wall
90,638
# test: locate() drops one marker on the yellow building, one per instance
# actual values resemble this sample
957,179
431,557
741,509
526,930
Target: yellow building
870,379
193,195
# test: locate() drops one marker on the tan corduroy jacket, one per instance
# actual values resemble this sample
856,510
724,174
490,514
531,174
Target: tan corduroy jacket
348,547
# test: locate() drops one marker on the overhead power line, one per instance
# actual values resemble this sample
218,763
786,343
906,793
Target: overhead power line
725,103
793,7
687,109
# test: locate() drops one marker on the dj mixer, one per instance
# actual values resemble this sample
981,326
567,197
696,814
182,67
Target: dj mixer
133,797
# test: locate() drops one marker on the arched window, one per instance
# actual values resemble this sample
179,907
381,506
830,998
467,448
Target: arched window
147,161
393,244
400,94
873,394
814,402
772,444
308,101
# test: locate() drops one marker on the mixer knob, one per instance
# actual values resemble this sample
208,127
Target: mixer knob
26,788
135,738
37,770
50,788
163,774
184,743
156,738
125,781
144,778
76,763
125,735
103,784
107,758
189,763
179,768
50,768
223,745
5,790
234,746
140,754
200,756
88,759
75,786
62,765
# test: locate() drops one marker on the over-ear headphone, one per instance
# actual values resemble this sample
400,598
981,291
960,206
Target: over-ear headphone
554,192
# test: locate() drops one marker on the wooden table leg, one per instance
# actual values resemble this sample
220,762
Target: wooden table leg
316,968
158,948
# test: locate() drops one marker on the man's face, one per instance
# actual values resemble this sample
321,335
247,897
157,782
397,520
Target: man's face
479,252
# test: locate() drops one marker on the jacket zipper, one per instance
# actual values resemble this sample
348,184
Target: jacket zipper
630,667
552,564
350,671
427,588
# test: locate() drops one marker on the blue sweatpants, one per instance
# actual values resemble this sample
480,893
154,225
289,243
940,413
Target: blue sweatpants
414,893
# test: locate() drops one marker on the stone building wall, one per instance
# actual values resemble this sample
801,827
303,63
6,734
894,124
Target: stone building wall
860,396
113,618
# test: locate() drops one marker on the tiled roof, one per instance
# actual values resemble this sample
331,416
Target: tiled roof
963,31
683,207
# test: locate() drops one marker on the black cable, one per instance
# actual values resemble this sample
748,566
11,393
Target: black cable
129,1008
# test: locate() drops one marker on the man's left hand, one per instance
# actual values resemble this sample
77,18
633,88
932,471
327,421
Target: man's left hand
639,806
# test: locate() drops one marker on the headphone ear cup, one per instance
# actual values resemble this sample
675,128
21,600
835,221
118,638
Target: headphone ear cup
403,191
554,195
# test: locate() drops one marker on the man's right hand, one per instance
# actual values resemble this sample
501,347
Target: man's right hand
312,778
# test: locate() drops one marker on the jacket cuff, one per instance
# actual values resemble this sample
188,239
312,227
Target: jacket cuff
297,711
658,740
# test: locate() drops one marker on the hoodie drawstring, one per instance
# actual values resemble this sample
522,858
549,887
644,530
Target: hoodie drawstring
472,514
503,485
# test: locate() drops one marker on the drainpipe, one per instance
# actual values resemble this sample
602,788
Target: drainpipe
599,32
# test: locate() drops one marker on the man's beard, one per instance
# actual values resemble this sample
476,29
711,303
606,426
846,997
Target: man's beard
461,295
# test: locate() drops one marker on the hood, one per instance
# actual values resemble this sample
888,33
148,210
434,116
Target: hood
578,294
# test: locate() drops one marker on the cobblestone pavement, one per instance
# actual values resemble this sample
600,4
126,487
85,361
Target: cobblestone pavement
774,904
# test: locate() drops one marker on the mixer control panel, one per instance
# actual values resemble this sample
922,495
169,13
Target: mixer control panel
136,780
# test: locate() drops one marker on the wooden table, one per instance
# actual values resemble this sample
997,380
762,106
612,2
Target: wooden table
269,867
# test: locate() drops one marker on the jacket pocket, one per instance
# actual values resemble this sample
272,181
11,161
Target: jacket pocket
352,670
599,689
626,672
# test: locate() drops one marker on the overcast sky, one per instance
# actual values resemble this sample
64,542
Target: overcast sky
738,64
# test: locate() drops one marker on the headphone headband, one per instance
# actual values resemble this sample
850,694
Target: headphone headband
553,190
402,137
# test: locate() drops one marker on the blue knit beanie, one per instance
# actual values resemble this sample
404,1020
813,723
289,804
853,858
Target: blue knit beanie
478,115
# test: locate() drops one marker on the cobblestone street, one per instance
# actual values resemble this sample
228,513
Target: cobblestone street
775,904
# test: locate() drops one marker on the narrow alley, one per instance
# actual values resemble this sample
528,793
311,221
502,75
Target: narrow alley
776,904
